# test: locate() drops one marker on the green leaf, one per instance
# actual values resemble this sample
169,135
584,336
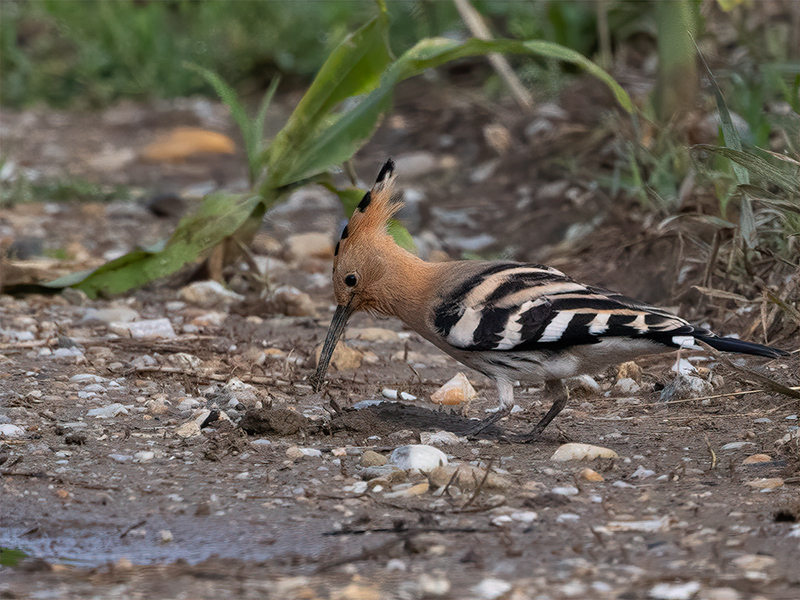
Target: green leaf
10,557
219,217
401,235
354,67
338,142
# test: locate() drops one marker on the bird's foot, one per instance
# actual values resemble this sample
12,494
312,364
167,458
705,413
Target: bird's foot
481,426
521,438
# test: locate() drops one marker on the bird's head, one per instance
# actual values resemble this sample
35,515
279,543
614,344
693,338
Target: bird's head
362,264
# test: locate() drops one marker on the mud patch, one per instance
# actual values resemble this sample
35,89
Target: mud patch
282,421
389,417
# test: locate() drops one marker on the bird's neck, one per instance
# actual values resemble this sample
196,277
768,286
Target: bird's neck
409,286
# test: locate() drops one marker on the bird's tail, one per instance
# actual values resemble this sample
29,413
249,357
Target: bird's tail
742,347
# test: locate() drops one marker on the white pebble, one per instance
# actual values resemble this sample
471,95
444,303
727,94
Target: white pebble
576,451
110,411
417,456
567,518
642,473
674,591
491,588
11,431
567,490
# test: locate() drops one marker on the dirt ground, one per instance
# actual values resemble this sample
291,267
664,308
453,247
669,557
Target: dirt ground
201,464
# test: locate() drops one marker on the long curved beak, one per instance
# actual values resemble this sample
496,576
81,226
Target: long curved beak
340,317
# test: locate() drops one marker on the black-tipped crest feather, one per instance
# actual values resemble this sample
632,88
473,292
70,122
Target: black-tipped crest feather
386,171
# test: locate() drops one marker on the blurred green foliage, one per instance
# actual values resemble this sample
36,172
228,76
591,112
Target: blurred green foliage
92,52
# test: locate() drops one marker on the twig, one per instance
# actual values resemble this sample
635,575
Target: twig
480,485
215,376
132,527
365,554
409,531
771,384
685,400
711,451
472,19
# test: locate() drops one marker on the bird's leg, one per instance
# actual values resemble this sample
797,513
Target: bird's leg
557,388
505,393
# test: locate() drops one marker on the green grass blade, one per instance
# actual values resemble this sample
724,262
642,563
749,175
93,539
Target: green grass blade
255,138
353,68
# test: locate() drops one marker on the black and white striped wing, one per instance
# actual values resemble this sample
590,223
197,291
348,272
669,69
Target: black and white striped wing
518,307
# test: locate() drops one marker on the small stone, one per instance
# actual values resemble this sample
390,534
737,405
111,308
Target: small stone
491,588
10,431
419,457
524,516
567,518
456,391
209,294
209,319
431,584
723,593
414,490
753,562
110,411
157,405
144,456
648,526
754,459
344,357
626,385
75,438
370,458
113,314
120,458
469,477
686,386
642,473
769,483
440,438
188,429
629,370
390,473
292,302
674,591
184,361
565,490
309,245
165,535
144,330
577,451
588,474
295,452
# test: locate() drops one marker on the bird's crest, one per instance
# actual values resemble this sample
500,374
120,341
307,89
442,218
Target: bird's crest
372,214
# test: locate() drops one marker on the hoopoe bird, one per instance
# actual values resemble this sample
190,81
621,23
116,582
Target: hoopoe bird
510,321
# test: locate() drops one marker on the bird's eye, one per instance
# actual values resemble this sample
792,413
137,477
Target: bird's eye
351,280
